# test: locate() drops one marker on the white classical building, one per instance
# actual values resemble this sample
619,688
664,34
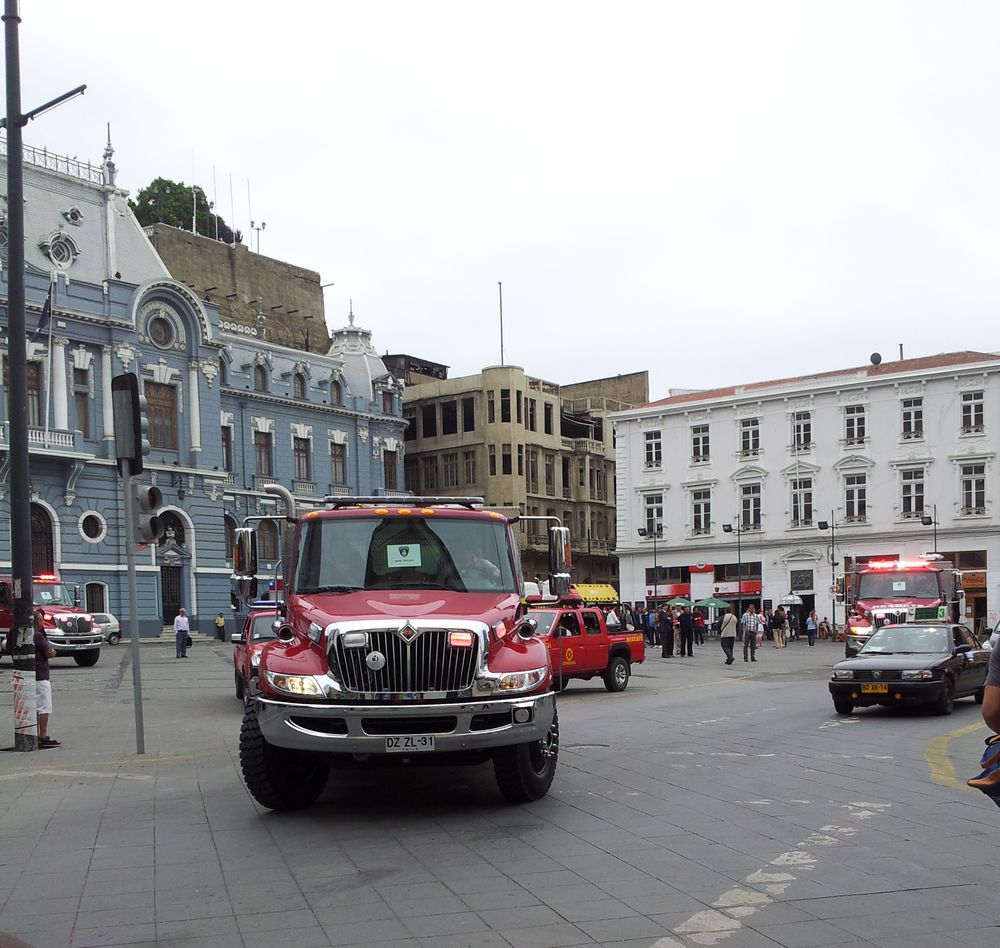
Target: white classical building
893,456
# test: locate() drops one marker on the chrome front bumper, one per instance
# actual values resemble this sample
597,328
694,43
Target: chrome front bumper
67,644
362,729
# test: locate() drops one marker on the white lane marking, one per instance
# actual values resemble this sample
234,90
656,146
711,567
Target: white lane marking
865,811
843,830
795,857
820,839
838,722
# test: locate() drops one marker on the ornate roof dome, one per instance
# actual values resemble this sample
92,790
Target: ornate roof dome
362,365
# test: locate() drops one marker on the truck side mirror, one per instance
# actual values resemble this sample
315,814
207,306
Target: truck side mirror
560,561
76,595
245,553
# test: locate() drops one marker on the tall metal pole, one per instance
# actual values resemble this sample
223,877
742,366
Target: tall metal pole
935,528
833,576
656,569
25,723
133,611
500,288
739,566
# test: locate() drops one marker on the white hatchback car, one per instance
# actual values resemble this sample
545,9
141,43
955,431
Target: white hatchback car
109,626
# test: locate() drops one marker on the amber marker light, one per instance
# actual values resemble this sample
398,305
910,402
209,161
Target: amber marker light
381,511
427,513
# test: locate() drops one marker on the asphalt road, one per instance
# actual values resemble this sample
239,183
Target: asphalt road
704,806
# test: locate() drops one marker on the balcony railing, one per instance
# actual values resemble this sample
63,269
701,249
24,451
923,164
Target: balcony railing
58,438
262,480
339,490
303,487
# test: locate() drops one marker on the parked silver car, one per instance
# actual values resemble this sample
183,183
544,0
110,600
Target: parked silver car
109,626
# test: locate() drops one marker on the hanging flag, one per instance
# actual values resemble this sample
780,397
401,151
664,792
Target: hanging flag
46,318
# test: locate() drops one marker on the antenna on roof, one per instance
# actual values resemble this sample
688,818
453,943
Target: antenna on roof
900,352
500,288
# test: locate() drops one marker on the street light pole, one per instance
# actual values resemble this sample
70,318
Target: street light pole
728,528
23,678
832,526
657,531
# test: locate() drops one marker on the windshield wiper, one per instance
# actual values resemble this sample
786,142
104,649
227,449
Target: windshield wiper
329,589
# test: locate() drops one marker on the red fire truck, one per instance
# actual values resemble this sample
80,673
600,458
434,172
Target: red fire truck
403,639
69,629
881,592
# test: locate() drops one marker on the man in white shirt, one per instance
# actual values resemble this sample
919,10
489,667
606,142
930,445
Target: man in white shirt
181,629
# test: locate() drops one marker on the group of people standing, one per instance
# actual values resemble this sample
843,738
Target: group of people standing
678,629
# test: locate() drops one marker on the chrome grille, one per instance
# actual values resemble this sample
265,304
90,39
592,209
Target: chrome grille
866,674
427,663
74,624
890,618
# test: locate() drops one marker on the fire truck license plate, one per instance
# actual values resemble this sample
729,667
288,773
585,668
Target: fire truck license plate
413,743
875,689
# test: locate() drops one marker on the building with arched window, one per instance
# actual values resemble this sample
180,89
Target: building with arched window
230,410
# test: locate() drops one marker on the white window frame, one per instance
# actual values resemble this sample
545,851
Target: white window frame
967,476
802,500
912,491
802,439
856,497
652,511
911,416
751,498
701,511
973,412
700,444
749,437
855,424
653,441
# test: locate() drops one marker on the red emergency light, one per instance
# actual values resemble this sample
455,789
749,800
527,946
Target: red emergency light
895,564
47,578
460,639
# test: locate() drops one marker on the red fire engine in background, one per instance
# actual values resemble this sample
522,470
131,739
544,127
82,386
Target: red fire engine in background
881,592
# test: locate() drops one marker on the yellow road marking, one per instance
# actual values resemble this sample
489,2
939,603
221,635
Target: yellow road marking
936,755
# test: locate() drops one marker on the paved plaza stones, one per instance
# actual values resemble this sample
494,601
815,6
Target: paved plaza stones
704,806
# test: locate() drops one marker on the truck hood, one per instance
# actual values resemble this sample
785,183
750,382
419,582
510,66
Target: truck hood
323,608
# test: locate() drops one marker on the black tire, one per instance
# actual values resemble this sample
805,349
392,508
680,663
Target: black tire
617,674
843,706
524,772
276,777
241,688
946,703
114,638
87,658
979,695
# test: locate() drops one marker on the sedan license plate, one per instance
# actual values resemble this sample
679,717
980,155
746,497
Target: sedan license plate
411,744
875,689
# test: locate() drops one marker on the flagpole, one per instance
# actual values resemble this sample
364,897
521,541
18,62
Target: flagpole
48,370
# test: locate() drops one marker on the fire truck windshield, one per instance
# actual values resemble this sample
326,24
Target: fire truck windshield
343,554
50,594
899,585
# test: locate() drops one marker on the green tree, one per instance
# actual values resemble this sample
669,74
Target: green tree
163,201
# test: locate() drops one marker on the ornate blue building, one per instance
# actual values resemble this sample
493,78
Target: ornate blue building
229,412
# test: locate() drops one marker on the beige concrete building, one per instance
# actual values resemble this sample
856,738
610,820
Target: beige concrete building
250,290
528,446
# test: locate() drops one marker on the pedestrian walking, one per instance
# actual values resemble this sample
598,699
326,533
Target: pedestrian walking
666,630
686,623
728,630
699,629
43,683
778,627
811,626
751,626
677,630
220,627
182,630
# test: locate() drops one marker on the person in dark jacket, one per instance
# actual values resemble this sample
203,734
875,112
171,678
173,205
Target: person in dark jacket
666,630
686,621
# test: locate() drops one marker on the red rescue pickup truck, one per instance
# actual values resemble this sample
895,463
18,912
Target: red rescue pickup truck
581,646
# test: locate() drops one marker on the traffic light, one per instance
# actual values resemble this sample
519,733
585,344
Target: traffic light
131,426
148,527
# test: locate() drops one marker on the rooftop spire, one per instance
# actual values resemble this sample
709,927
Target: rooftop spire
350,312
108,168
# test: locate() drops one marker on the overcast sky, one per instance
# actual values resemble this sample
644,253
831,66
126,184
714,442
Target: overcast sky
718,192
